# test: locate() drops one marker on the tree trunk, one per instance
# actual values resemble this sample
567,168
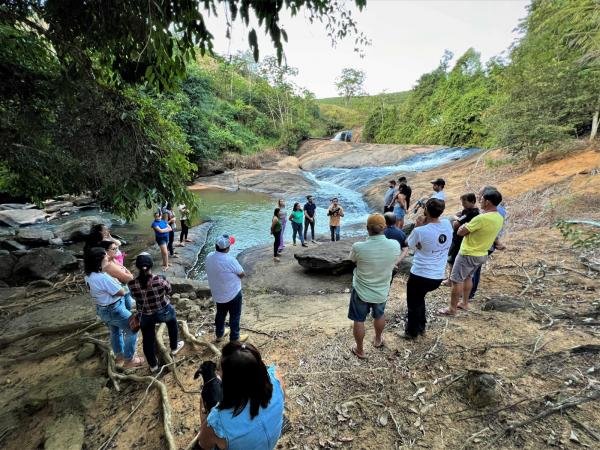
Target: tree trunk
595,118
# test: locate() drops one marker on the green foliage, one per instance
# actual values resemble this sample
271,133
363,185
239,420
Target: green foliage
357,111
350,83
581,235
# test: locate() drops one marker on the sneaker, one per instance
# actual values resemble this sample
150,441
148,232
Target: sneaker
154,369
305,245
313,241
242,338
276,259
294,244
136,361
219,339
180,345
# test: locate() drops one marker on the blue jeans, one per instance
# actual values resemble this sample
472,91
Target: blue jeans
335,233
116,317
128,300
147,325
234,308
297,230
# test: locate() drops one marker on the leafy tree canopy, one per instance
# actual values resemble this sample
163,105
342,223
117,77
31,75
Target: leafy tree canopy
350,83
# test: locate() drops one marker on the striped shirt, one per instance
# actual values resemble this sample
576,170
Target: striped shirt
154,297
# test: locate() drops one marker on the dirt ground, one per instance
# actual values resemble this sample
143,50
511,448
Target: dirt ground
409,394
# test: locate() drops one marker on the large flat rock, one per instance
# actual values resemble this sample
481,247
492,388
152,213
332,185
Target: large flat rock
328,257
22,217
78,229
44,263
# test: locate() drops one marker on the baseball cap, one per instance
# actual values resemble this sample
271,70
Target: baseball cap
144,261
439,182
376,220
225,241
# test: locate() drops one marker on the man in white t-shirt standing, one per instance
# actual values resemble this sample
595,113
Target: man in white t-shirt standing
431,242
225,275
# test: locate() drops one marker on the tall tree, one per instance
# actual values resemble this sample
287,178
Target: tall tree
350,83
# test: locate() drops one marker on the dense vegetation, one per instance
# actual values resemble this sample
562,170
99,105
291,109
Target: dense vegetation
355,111
110,97
545,92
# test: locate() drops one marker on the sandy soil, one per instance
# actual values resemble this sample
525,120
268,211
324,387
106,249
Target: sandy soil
409,394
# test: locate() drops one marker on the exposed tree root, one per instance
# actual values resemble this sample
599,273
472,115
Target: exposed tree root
6,340
195,341
162,389
168,360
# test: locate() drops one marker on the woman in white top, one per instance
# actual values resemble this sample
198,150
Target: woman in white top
108,294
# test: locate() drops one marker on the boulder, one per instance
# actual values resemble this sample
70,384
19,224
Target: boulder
65,433
34,237
328,257
54,206
480,388
186,285
502,303
56,242
78,229
12,246
7,263
22,217
7,206
84,200
44,263
87,351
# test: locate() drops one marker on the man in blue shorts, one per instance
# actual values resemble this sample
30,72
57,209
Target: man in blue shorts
375,259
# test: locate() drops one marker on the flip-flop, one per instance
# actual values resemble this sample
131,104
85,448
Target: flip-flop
381,345
353,350
445,312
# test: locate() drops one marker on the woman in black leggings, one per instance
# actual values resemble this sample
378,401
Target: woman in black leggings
276,232
185,226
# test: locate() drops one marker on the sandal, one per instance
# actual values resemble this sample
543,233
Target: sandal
381,344
446,312
355,353
136,361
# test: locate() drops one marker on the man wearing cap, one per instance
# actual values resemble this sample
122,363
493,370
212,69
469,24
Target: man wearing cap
335,213
375,259
225,274
389,196
309,217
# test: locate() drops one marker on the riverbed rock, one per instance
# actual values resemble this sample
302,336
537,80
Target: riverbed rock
65,433
7,206
502,303
78,229
34,237
44,263
83,200
87,351
53,206
7,263
187,285
13,246
22,217
328,257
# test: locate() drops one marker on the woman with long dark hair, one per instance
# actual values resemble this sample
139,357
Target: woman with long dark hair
297,219
283,220
110,306
250,416
152,297
276,232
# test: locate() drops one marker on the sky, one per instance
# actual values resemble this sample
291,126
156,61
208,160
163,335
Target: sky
408,39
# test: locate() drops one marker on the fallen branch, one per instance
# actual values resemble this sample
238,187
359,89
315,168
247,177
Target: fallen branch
168,360
547,412
252,330
474,436
583,426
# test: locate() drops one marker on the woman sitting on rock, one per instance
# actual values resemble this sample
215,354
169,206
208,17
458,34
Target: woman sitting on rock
110,307
250,416
151,294
117,270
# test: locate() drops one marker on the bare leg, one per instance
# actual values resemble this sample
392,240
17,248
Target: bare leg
467,286
165,255
379,325
457,293
358,329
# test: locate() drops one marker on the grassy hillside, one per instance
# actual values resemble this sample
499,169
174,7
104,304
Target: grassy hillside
355,113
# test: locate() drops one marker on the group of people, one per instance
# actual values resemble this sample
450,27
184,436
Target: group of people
250,414
300,216
164,226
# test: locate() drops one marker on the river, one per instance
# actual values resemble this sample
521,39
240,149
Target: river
247,215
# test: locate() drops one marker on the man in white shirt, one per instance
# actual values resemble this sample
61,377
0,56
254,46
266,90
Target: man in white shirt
438,186
431,242
225,275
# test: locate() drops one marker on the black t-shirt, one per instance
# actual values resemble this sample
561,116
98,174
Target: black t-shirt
467,215
310,209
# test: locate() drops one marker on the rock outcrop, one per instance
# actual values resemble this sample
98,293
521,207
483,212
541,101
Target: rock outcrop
329,257
22,217
78,229
44,263
35,237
